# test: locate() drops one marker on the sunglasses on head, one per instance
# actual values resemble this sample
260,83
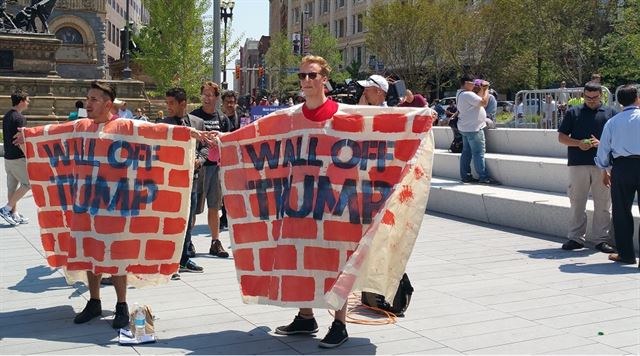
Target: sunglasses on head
311,75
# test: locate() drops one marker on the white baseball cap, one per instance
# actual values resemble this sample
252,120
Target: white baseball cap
375,81
118,102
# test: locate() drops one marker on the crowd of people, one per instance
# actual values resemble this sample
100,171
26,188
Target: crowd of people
603,159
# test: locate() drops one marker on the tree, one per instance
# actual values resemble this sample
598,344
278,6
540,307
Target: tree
278,59
230,38
322,44
172,44
621,54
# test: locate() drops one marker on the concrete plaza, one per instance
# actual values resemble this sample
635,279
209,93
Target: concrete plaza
479,289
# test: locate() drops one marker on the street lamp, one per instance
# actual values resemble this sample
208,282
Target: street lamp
226,13
126,72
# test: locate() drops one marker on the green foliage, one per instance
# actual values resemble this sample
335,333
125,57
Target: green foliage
172,44
322,44
621,53
278,58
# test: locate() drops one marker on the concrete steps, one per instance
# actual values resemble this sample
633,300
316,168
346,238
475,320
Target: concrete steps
531,166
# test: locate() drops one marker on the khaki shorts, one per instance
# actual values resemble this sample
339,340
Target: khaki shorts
16,173
212,187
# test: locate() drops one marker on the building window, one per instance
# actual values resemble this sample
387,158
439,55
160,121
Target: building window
308,8
69,35
360,24
339,4
109,30
325,6
296,15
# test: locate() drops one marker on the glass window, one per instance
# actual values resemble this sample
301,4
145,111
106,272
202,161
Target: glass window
69,35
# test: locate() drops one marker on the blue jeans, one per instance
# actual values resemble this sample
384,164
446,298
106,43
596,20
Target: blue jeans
473,148
187,236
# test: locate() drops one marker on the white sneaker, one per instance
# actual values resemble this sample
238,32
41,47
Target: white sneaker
20,219
6,214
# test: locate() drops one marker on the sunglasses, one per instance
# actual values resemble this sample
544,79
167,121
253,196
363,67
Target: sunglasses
311,75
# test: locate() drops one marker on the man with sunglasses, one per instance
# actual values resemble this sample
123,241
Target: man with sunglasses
216,121
580,131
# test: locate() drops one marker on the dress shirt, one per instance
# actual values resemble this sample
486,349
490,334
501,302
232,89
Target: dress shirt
619,137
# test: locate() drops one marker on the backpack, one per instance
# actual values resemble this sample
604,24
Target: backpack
456,145
400,301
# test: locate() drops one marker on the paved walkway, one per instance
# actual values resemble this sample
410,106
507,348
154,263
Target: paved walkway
479,289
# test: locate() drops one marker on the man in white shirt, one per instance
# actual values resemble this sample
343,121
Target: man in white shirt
471,121
550,112
124,112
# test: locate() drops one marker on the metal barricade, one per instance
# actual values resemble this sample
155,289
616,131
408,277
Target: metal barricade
532,108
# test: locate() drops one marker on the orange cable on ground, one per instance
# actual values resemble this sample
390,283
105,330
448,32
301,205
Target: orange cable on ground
355,306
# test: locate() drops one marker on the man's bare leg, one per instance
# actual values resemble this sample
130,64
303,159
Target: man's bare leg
120,284
94,306
94,284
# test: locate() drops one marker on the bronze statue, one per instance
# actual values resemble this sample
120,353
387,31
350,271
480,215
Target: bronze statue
25,19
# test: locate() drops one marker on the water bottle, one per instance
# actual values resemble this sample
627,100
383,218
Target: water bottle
139,322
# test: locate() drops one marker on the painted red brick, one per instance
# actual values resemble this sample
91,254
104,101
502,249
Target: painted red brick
235,206
285,257
274,287
339,175
174,226
246,158
298,172
102,148
109,224
72,248
250,232
342,231
30,151
229,155
143,269
50,219
405,149
93,248
325,143
170,154
57,260
38,195
302,123
153,132
125,249
156,174
255,285
271,202
63,239
159,250
390,174
60,128
144,224
54,195
276,228
389,123
181,133
79,266
166,201
297,289
81,222
112,270
421,124
179,178
243,258
267,258
348,123
39,172
328,283
50,143
236,179
169,268
318,258
119,128
86,125
244,133
299,228
274,125
48,242
111,174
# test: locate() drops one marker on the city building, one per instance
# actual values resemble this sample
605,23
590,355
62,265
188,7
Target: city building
90,33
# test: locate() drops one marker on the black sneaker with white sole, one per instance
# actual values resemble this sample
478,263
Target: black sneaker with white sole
336,336
299,325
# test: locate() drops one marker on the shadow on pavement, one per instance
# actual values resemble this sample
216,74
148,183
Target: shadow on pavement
599,268
34,282
557,253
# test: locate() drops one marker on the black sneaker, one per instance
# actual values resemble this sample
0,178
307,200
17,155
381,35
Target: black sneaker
336,336
175,277
605,247
571,245
192,267
469,179
191,251
122,316
106,281
217,249
90,311
489,181
299,325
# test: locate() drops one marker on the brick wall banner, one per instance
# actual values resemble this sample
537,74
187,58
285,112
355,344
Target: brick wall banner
112,198
318,210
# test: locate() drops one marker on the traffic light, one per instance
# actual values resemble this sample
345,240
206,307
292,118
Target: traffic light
237,72
260,72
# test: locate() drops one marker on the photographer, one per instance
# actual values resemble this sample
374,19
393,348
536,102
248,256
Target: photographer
375,90
471,121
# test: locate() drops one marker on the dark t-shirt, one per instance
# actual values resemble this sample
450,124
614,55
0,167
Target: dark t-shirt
10,123
216,121
580,122
418,102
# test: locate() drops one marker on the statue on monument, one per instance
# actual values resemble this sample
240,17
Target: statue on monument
25,19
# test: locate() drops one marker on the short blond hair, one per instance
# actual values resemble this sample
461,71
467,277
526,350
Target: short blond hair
325,68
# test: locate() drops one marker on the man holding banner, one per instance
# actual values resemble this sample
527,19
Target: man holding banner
324,199
112,197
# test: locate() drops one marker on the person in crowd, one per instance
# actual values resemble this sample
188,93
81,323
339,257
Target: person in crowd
314,73
124,112
176,99
413,100
140,115
440,110
580,131
471,121
618,156
491,109
74,115
375,90
159,116
450,111
549,113
15,163
115,108
214,120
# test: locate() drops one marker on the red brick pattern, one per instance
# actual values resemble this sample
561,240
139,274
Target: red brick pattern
295,246
112,198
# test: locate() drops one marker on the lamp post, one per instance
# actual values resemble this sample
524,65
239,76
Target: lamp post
305,12
226,13
126,72
216,42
